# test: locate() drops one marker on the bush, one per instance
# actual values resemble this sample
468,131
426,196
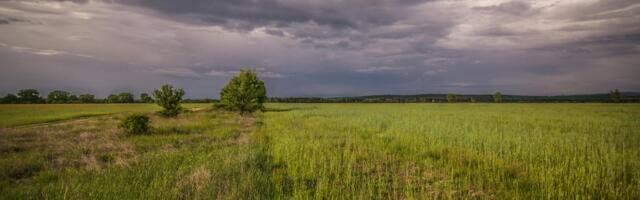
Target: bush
58,96
87,98
245,93
135,124
169,98
497,97
451,98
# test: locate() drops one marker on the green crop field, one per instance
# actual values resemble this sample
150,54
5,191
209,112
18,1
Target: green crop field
21,114
328,151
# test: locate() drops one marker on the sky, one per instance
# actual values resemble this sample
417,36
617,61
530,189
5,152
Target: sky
322,48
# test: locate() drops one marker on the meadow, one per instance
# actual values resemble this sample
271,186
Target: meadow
334,151
22,114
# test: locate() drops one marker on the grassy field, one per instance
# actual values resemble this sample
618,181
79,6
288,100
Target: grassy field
21,114
335,151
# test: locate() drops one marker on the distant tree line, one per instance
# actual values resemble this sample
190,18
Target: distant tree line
32,96
498,97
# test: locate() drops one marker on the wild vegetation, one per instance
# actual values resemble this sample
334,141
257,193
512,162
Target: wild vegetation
335,151
169,99
244,93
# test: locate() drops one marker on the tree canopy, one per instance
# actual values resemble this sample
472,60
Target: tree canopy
244,92
169,98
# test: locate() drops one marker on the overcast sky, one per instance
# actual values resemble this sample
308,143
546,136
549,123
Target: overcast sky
322,47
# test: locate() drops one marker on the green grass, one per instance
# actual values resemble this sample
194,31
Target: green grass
503,151
335,151
22,114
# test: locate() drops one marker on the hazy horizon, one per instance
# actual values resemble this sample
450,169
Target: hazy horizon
322,48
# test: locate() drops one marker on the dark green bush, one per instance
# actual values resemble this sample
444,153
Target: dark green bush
135,124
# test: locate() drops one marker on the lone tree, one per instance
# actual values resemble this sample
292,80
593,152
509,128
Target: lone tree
451,98
615,96
58,96
169,98
497,98
29,96
245,93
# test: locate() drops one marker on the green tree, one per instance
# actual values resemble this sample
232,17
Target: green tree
169,98
497,98
58,96
451,98
10,98
125,97
616,97
244,92
472,100
29,96
73,98
145,98
113,99
87,98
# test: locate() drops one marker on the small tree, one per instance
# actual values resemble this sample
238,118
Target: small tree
10,98
125,97
497,98
73,98
87,98
135,124
145,98
244,92
58,96
29,96
113,99
169,98
615,96
451,98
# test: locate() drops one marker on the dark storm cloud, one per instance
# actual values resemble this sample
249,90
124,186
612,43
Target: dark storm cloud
324,47
251,13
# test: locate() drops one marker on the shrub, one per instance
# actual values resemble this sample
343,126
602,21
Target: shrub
497,97
10,98
113,99
58,96
451,98
135,124
125,97
615,96
169,98
245,93
145,98
87,98
29,96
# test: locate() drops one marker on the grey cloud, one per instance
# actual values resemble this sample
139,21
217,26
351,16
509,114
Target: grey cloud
323,48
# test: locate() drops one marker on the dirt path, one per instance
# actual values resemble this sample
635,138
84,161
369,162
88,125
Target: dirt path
247,123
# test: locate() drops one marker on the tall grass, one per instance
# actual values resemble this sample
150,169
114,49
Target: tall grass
540,151
335,151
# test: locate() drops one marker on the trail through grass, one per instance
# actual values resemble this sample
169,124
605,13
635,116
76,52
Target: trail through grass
335,151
